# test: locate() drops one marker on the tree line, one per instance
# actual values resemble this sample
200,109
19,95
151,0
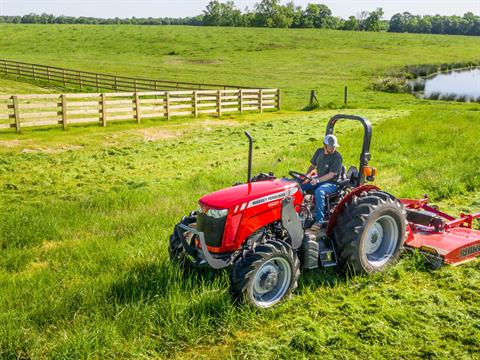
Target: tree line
271,13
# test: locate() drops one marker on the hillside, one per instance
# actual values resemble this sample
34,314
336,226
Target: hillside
296,60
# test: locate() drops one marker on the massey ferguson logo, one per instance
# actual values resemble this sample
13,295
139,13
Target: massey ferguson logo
266,199
470,250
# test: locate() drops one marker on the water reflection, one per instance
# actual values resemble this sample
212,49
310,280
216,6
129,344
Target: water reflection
454,85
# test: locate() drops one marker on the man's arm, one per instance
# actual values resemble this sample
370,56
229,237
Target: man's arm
326,177
310,170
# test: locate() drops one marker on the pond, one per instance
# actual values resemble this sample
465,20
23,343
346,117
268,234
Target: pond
454,85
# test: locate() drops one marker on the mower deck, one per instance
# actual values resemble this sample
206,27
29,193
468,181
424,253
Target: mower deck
436,233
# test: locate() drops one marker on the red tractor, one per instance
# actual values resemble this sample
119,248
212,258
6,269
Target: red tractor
261,229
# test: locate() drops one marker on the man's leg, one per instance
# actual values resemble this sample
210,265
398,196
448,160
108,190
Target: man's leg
308,186
320,192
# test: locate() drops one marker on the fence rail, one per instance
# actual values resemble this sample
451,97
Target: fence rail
19,111
96,81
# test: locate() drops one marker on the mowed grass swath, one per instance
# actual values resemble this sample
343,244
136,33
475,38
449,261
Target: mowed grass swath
86,213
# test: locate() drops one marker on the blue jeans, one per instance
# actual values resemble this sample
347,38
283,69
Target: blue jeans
321,189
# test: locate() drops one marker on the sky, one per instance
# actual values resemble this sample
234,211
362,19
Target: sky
184,8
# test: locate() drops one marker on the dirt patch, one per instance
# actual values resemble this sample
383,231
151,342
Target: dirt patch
54,150
204,62
9,143
50,245
154,134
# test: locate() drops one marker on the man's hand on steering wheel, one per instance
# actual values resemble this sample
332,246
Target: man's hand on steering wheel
303,178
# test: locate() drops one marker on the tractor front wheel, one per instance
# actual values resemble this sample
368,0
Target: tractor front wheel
178,255
266,275
370,232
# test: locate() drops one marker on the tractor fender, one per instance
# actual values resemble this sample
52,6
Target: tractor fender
338,209
291,222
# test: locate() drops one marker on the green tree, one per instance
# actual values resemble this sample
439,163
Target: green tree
269,13
316,16
373,20
222,14
351,24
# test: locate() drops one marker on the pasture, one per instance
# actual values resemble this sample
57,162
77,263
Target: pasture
86,213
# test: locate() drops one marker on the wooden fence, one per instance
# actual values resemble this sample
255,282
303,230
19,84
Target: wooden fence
97,82
19,111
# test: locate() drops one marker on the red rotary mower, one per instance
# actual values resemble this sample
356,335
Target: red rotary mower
262,231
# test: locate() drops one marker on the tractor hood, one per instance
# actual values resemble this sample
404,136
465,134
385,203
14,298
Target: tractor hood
250,194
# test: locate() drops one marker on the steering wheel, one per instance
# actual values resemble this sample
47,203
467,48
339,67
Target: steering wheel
299,176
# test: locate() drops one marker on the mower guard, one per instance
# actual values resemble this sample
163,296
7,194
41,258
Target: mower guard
193,251
438,234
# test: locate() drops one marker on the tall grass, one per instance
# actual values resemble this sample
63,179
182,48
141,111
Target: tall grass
84,267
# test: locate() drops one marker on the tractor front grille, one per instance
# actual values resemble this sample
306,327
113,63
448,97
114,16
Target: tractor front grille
212,228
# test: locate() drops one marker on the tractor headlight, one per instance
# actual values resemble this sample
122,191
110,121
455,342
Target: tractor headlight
217,214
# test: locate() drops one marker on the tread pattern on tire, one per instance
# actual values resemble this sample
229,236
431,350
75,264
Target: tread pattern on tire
175,248
352,221
244,268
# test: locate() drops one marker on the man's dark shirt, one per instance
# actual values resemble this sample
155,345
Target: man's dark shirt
326,163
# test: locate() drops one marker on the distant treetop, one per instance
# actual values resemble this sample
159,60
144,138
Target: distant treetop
271,13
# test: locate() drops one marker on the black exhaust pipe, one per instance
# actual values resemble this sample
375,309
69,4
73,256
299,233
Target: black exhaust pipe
250,150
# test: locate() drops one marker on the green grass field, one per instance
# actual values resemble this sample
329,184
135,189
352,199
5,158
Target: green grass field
86,213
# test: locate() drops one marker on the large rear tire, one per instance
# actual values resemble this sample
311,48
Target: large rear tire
265,276
370,232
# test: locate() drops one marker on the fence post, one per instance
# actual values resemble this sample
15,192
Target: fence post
313,98
240,96
167,105
96,81
33,71
64,111
345,96
104,111
18,69
260,102
16,114
135,84
80,79
64,81
137,107
48,74
195,104
279,100
115,84
219,103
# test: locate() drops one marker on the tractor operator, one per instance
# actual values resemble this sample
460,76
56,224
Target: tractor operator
326,163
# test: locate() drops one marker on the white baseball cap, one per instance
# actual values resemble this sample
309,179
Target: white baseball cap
331,140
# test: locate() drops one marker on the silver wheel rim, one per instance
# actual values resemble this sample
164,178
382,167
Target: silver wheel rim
381,242
271,282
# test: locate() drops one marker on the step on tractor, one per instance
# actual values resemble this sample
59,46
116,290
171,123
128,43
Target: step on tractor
262,229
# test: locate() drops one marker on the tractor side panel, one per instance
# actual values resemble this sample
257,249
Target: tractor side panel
259,216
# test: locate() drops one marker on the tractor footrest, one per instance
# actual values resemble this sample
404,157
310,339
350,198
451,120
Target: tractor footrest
327,256
317,250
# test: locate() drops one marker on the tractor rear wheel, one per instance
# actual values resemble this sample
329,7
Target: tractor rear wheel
266,275
370,232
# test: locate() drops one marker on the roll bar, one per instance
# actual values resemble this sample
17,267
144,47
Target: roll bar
367,138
